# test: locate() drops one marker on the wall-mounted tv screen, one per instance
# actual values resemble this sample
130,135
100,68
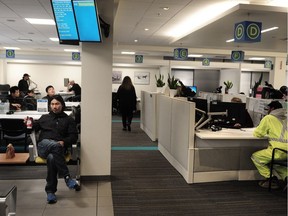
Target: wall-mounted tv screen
65,22
87,20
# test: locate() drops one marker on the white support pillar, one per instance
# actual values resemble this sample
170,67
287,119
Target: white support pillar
277,76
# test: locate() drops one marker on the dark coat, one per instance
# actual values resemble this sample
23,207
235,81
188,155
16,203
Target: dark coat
57,127
127,99
23,86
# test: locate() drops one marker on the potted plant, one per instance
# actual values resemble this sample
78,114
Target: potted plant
228,85
172,84
159,82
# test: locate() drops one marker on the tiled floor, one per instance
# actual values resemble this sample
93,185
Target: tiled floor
94,199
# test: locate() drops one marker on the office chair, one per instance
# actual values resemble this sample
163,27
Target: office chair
276,162
14,130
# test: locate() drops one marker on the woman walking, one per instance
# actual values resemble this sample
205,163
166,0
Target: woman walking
127,102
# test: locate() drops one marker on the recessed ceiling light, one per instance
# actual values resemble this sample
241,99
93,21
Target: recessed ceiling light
257,58
40,21
135,40
146,29
54,39
12,48
71,50
195,55
127,53
165,8
25,40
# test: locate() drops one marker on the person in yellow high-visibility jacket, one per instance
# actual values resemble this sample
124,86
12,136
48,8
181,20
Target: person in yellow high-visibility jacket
274,126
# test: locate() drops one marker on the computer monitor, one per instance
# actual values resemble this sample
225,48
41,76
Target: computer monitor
193,88
236,113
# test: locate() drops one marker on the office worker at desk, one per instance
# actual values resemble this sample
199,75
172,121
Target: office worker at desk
273,125
23,84
57,132
248,123
50,93
74,87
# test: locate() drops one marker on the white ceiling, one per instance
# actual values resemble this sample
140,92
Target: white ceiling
133,16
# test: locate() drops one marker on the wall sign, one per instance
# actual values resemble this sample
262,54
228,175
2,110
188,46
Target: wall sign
268,64
180,54
247,31
76,56
237,56
10,53
138,58
206,62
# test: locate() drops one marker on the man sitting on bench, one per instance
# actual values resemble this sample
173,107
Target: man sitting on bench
57,132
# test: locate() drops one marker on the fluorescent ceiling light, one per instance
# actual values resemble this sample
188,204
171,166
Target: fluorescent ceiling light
71,50
263,31
26,40
54,39
199,19
40,21
12,48
195,55
257,58
127,53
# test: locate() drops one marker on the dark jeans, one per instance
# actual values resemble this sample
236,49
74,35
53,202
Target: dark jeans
54,153
127,116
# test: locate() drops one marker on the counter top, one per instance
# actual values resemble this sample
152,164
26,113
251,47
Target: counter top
227,133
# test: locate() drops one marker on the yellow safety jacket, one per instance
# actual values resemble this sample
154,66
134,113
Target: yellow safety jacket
274,126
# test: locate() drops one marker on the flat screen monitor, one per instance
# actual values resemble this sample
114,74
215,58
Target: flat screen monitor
65,22
87,20
193,88
236,113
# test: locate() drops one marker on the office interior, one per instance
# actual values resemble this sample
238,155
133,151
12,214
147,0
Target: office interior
48,64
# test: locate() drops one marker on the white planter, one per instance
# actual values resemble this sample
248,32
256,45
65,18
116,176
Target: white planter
159,89
172,92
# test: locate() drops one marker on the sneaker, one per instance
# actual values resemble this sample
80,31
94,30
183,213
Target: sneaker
51,198
72,184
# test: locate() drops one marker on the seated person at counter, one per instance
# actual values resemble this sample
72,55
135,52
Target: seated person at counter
16,102
274,126
248,121
30,100
50,93
74,87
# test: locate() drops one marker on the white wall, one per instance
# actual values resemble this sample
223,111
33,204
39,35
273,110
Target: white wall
232,75
43,74
130,72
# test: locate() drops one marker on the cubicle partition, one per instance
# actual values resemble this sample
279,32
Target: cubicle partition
204,156
176,121
149,114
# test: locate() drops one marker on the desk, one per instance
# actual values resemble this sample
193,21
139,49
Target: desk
23,114
8,197
225,155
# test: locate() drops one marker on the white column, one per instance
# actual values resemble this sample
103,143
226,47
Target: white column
96,101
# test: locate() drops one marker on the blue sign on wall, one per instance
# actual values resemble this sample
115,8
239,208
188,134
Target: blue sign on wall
76,56
10,53
247,31
237,56
180,54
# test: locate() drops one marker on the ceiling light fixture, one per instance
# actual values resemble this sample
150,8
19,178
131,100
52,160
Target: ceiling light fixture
135,40
54,39
256,58
146,29
166,8
199,19
127,53
40,21
25,40
11,48
263,31
195,55
71,50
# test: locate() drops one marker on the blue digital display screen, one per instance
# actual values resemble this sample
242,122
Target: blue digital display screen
65,20
87,20
193,88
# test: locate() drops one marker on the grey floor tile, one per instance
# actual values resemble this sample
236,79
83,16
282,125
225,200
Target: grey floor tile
76,211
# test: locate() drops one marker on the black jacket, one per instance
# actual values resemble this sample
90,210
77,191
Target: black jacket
57,127
127,99
23,86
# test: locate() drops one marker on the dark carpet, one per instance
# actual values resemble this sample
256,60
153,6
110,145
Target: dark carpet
145,184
